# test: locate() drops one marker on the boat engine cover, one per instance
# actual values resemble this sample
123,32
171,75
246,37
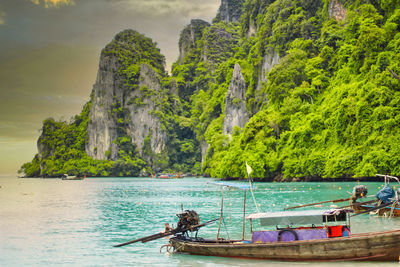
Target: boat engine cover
187,219
360,191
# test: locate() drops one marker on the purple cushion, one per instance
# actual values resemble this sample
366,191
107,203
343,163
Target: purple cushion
304,234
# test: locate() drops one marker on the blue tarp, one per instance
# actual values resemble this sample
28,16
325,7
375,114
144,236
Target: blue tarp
233,185
385,193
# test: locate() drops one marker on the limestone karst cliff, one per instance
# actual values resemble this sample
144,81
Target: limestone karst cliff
121,109
311,86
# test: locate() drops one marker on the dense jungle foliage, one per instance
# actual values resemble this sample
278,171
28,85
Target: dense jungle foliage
329,108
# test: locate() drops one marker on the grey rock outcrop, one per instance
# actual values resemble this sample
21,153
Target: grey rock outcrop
337,10
102,129
44,149
204,148
143,122
235,103
189,36
114,100
270,59
230,10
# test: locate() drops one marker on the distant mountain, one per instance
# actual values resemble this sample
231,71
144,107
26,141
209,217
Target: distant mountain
300,89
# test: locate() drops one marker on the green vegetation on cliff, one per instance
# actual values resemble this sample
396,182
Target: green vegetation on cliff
328,108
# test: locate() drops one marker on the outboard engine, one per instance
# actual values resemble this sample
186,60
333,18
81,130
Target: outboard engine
187,219
359,191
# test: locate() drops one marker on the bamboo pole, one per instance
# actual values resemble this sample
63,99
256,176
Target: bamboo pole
244,214
373,209
164,234
358,204
222,211
313,204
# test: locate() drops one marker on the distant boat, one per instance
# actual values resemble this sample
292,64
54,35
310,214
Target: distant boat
168,176
67,177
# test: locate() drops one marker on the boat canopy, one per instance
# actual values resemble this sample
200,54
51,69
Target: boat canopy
241,186
301,217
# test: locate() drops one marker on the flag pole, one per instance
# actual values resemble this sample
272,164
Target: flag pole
249,170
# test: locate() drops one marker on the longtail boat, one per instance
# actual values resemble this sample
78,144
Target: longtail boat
298,244
307,235
304,235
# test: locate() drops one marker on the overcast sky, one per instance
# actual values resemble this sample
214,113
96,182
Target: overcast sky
49,53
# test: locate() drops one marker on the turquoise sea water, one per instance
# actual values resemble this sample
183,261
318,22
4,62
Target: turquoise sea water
50,222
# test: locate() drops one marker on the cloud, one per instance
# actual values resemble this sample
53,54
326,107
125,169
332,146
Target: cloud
54,3
2,17
187,8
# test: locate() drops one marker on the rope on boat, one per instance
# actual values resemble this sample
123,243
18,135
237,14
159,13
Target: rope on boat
180,248
168,248
226,229
392,209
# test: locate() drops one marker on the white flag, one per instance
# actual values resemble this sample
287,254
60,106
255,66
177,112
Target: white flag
249,170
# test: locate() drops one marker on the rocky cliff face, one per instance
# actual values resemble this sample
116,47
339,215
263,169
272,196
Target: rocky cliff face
124,104
189,36
337,10
235,103
44,149
270,59
102,128
204,148
143,122
230,10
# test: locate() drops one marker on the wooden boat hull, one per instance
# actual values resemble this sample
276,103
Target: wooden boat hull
380,246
